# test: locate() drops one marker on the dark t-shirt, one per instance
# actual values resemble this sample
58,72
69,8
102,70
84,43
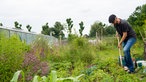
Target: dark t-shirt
125,27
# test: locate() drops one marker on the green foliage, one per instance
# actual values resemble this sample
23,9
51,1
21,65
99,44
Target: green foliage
29,28
16,76
127,78
71,37
79,57
12,52
36,79
66,59
101,45
81,28
62,66
55,31
96,27
36,60
41,45
74,51
17,25
79,42
45,29
78,50
137,50
107,43
1,24
58,30
109,30
69,24
51,78
141,32
137,19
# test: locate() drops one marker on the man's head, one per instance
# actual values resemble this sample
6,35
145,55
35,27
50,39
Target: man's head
113,19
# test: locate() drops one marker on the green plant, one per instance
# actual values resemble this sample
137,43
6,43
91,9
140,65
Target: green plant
17,25
16,76
51,78
29,28
12,52
71,37
69,25
35,61
81,28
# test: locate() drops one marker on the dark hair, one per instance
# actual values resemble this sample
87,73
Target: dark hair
112,18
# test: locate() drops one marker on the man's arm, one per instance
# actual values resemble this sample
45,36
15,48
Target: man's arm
117,34
123,37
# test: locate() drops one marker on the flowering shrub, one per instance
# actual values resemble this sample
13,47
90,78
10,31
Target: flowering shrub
34,62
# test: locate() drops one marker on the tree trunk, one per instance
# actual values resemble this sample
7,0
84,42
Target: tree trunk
145,50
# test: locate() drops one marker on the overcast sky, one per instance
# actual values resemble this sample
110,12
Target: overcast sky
37,12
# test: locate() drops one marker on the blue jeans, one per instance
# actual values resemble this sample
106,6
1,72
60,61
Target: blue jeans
127,56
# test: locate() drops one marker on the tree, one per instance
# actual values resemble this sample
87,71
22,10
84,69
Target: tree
58,29
17,25
81,27
96,27
45,29
1,24
109,30
137,19
138,16
69,24
28,28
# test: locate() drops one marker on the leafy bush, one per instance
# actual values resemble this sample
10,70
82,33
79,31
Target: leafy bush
101,45
80,50
107,43
12,52
63,68
71,37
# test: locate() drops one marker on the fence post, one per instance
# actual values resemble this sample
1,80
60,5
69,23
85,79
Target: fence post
145,50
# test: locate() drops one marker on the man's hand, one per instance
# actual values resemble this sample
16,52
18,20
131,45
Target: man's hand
120,45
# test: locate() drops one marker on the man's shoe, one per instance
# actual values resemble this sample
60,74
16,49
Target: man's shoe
130,72
125,68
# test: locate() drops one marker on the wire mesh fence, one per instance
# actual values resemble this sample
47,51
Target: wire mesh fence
27,37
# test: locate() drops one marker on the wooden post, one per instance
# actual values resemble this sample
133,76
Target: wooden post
60,39
145,50
100,34
144,45
96,37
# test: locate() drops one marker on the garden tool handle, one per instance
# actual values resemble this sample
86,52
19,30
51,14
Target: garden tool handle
118,43
119,48
120,53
